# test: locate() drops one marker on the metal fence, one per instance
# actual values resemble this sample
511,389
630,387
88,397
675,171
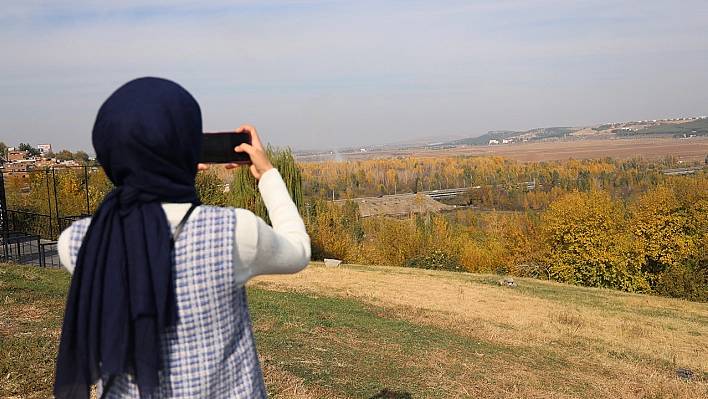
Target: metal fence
29,249
28,237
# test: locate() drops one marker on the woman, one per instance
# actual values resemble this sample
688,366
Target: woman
157,306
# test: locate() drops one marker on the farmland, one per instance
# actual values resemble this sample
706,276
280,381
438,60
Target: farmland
554,150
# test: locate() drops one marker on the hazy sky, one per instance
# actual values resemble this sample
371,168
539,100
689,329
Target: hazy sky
341,73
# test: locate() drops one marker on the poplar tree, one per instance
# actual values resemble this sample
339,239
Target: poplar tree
244,187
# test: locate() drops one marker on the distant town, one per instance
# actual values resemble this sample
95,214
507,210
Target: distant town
20,161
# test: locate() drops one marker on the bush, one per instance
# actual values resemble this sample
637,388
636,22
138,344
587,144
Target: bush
437,260
684,281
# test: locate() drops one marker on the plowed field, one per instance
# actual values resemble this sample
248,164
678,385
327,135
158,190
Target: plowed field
552,150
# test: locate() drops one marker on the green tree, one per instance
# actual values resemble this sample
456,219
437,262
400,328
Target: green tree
244,187
64,155
81,156
210,188
28,147
351,221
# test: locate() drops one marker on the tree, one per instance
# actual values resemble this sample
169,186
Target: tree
64,155
244,187
28,147
587,243
82,157
3,150
351,221
669,228
334,230
210,188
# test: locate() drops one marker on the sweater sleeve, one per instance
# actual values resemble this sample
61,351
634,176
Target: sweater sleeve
261,249
64,251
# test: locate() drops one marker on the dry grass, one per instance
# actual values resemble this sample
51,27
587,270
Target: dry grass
31,308
435,335
289,386
554,336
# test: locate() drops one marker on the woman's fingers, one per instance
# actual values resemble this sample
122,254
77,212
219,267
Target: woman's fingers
255,140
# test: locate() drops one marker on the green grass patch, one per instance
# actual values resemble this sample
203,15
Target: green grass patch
353,350
31,311
341,347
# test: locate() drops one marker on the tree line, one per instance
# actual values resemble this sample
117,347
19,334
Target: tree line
505,184
612,223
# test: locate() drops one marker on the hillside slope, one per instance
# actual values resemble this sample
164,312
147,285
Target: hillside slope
539,340
382,332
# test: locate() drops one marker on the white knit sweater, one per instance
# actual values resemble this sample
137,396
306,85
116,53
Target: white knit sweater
261,249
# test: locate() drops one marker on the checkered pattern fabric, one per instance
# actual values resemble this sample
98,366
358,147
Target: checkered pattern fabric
210,353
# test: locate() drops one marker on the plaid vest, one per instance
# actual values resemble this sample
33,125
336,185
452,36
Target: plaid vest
210,353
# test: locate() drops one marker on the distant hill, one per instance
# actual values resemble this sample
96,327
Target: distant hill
698,127
499,135
679,127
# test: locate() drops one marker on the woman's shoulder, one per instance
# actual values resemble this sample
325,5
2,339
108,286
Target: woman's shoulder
78,228
69,242
244,218
216,210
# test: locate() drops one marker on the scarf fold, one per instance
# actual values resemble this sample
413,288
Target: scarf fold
147,137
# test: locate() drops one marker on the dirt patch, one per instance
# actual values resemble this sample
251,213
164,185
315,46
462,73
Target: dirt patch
400,206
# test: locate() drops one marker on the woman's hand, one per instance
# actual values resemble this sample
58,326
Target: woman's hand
259,160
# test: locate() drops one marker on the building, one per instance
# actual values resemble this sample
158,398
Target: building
15,155
19,168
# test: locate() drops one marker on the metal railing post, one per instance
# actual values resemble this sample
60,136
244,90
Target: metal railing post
3,216
56,205
88,204
49,202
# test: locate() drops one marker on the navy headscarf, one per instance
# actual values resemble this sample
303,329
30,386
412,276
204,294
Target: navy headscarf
147,137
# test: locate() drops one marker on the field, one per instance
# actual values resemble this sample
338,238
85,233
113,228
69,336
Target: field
694,148
382,332
451,335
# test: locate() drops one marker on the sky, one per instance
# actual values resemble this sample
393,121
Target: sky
336,74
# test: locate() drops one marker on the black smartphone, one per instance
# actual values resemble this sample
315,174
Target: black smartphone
219,147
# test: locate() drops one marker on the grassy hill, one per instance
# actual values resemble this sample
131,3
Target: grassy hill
535,134
383,332
697,127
